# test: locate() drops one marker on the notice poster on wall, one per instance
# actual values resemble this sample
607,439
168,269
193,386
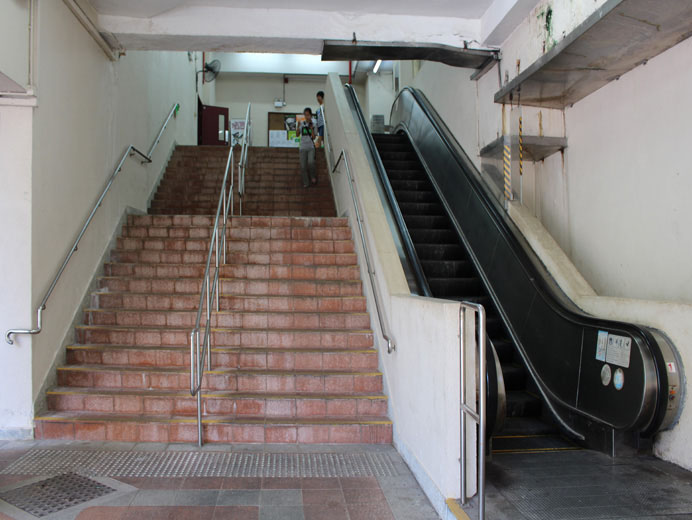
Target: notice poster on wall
279,139
282,130
237,130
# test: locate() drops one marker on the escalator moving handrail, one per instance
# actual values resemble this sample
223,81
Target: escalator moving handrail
421,281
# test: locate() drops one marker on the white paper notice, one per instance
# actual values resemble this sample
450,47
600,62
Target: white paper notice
279,138
618,351
601,345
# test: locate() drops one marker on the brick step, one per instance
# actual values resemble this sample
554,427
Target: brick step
234,287
263,196
233,379
237,233
298,205
249,338
258,358
229,319
239,265
181,301
258,212
257,245
228,404
253,254
254,221
142,428
248,267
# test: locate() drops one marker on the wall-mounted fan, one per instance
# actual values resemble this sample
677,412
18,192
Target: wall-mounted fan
210,71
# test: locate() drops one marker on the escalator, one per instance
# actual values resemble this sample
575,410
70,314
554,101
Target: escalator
557,377
450,274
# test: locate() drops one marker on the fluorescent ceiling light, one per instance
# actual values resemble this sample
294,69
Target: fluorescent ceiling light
377,66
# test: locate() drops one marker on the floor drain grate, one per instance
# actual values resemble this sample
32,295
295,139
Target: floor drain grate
55,494
107,463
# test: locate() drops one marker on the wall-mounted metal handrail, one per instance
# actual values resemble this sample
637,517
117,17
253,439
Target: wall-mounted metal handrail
130,151
477,415
209,295
391,346
242,161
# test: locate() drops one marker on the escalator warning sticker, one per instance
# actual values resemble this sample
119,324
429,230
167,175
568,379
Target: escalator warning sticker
601,345
618,352
613,349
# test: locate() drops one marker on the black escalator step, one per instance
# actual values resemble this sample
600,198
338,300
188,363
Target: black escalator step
426,222
447,268
407,175
390,138
421,208
523,404
494,324
393,147
397,155
427,196
454,287
440,251
527,426
408,185
514,376
413,164
433,235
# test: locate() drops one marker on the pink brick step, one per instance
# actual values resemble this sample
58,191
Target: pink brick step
225,357
182,301
230,404
145,428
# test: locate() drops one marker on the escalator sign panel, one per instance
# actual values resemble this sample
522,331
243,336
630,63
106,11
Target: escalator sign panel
601,345
613,349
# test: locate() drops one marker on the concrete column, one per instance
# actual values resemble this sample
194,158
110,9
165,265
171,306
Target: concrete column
16,310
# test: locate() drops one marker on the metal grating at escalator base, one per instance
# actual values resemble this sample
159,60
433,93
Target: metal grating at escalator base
54,494
109,463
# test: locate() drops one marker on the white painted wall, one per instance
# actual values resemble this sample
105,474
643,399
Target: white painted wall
379,95
89,110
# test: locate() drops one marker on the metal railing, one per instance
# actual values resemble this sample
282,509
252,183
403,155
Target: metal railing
129,152
391,346
209,294
242,161
200,350
478,416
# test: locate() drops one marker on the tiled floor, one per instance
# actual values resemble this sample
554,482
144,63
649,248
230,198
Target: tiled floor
385,496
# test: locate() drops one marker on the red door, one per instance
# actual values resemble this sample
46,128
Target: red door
214,125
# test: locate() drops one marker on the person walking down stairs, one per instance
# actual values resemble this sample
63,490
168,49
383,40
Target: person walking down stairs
306,131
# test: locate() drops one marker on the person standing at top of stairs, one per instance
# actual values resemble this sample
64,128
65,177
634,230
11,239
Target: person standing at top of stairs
306,131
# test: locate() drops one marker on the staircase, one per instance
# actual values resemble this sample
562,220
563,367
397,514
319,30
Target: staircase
272,183
292,350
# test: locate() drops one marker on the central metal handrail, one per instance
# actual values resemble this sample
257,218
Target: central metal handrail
130,151
242,161
477,415
209,295
391,346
